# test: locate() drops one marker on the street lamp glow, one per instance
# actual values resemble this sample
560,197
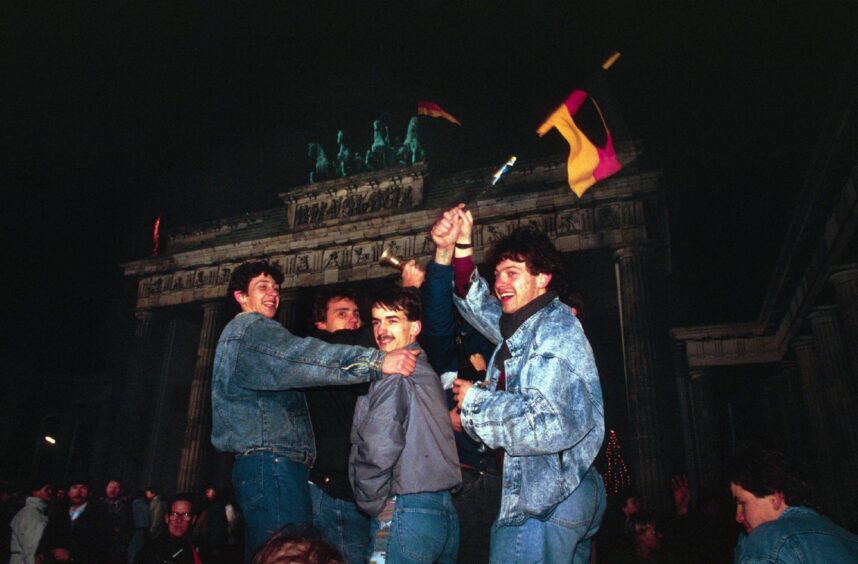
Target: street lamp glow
50,439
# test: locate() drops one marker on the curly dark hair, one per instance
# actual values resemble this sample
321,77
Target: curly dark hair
297,543
241,277
400,299
764,471
327,294
535,250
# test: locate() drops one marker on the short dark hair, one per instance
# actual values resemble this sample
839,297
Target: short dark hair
535,250
639,522
396,298
241,277
188,497
764,471
37,484
327,294
297,543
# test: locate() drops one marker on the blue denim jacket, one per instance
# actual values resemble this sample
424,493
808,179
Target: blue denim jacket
550,422
258,368
799,535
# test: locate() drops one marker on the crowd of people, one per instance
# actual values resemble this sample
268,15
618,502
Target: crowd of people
462,423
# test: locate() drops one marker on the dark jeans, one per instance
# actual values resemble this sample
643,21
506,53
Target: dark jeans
477,504
424,529
272,492
342,524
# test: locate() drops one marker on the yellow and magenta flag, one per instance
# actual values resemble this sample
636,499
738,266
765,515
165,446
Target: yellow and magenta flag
587,162
425,108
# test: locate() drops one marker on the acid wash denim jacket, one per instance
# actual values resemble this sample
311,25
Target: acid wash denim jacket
402,439
550,422
259,368
799,535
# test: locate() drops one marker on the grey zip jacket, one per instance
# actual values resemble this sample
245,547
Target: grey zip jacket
402,439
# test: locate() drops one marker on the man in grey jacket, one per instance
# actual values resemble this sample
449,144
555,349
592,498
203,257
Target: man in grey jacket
403,445
29,524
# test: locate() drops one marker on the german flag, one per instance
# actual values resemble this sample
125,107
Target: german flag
588,162
425,108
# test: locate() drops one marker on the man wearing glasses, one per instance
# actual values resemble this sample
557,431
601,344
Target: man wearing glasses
174,547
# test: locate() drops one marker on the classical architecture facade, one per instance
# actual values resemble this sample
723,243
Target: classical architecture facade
790,378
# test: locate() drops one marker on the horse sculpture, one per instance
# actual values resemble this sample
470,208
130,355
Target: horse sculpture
323,169
411,151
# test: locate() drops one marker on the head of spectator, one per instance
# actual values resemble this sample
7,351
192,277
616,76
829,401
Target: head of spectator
645,534
335,308
78,492
630,502
210,493
112,490
181,517
41,489
396,318
526,266
151,492
254,287
60,494
297,543
764,484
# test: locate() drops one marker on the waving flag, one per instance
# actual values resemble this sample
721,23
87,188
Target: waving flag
432,109
587,163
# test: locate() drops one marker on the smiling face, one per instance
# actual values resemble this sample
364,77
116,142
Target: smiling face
262,296
392,329
753,511
515,287
342,313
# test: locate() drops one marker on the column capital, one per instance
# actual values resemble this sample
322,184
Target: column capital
822,311
143,313
639,250
211,305
844,274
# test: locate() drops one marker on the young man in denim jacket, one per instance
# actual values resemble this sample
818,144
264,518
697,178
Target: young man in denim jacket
541,402
258,409
774,506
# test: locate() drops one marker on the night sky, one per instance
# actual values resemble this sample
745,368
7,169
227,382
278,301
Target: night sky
113,113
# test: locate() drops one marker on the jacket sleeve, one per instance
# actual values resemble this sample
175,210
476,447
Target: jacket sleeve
481,309
554,414
28,532
438,336
270,358
378,437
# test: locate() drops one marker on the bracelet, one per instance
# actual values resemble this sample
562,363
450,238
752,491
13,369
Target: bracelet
464,245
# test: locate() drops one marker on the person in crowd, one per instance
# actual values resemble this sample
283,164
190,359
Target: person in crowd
454,348
612,538
29,524
174,547
258,409
776,509
157,508
403,446
297,543
337,319
122,523
84,533
210,532
542,400
645,540
140,519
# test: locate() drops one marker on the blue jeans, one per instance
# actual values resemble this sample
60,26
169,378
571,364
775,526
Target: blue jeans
563,536
425,528
343,525
272,492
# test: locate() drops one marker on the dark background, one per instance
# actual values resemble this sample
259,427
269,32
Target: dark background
113,113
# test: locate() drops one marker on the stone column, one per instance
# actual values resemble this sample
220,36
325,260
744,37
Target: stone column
643,374
193,462
840,395
845,283
703,415
125,427
787,392
286,312
683,392
820,457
